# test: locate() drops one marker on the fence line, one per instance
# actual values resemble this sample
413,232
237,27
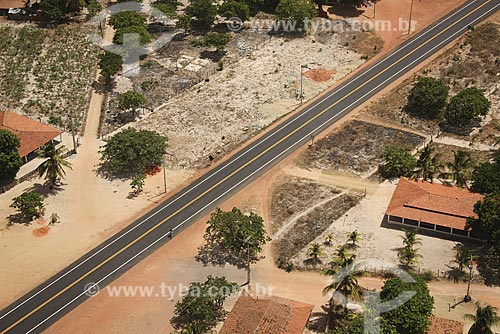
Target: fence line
29,176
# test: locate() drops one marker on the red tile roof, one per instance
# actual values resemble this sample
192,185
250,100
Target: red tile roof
445,326
32,134
433,203
267,316
6,4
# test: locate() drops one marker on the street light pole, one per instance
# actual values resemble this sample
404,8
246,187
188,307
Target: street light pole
164,175
467,297
301,85
411,14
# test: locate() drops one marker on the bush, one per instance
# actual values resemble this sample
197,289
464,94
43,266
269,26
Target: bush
144,36
201,14
234,8
465,107
219,41
296,10
166,9
130,152
398,161
428,97
10,161
30,205
127,19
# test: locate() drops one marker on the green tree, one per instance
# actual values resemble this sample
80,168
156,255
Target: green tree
230,235
10,161
462,257
314,252
428,97
137,183
298,11
486,177
201,14
53,9
408,254
484,318
202,307
131,152
459,168
344,281
127,19
30,205
465,107
167,9
219,41
355,324
398,161
233,8
427,164
110,64
131,100
53,166
94,7
144,36
354,237
412,316
487,224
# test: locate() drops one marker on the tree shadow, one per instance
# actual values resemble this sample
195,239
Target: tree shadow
45,189
312,262
214,56
18,218
318,320
488,266
345,11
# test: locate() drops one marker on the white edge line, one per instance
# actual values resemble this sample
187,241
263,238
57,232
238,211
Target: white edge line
261,167
232,160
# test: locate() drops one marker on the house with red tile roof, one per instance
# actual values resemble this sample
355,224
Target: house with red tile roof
432,206
31,133
445,326
272,315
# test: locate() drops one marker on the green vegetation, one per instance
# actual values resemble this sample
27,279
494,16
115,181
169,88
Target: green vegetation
110,64
137,183
30,205
427,98
486,177
127,19
10,161
230,235
463,257
314,252
459,168
465,107
219,41
398,161
296,10
166,9
202,307
408,254
144,36
200,15
233,8
427,164
487,225
131,152
53,166
484,318
131,100
412,316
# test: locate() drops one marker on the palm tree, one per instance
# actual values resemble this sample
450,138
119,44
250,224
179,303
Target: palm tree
53,166
462,258
314,252
353,237
342,257
484,319
408,254
427,164
459,168
345,280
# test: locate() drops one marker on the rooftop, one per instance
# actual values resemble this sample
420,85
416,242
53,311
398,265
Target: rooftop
445,326
32,134
267,316
433,203
6,4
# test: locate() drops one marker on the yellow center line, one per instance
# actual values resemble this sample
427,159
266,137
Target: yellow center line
232,174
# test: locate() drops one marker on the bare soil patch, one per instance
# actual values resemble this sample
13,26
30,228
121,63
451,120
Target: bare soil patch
357,147
310,226
294,196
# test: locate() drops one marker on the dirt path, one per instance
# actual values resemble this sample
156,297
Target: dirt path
345,182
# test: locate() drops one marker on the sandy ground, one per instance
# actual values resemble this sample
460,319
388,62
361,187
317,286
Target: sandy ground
104,209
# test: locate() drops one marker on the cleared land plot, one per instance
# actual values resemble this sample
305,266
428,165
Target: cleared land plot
357,147
47,73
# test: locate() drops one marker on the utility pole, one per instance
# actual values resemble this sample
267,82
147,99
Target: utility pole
301,85
164,175
72,129
411,14
467,297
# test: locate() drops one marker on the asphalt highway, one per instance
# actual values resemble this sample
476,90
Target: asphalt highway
41,307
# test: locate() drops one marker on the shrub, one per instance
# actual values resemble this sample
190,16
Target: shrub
428,97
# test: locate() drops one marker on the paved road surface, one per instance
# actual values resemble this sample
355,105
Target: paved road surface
56,297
